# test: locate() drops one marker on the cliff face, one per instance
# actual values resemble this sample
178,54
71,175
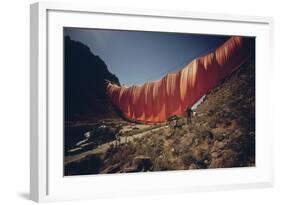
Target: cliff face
156,101
84,83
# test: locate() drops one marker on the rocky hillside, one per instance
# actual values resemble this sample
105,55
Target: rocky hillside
84,76
221,134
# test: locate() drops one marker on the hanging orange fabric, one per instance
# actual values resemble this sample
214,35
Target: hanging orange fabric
156,101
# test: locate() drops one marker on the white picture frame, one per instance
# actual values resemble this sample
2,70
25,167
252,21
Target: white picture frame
47,182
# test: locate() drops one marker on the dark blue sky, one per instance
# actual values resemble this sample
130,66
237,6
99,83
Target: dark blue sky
136,57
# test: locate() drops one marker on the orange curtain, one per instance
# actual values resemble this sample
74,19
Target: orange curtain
155,101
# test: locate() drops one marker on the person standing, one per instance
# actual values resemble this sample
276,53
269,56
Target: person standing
189,112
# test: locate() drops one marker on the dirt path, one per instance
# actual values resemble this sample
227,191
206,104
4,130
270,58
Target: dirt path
104,147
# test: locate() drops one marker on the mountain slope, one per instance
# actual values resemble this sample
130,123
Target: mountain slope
84,83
